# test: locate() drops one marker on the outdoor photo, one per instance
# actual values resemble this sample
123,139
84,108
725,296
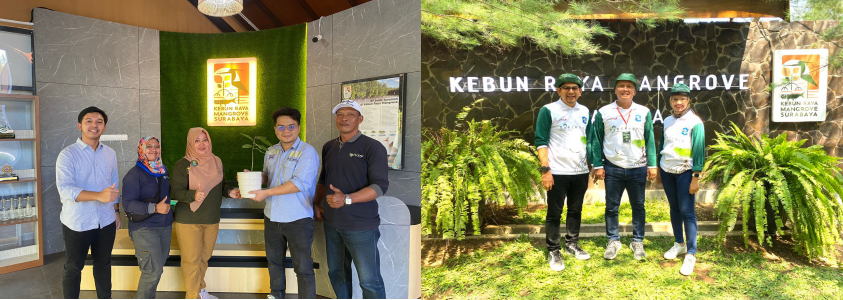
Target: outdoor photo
653,149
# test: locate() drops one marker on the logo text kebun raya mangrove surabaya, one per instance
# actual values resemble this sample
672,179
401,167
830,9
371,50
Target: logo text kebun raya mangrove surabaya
596,84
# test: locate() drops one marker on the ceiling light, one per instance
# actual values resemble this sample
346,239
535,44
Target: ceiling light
220,8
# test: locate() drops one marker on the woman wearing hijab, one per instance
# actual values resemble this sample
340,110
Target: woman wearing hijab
682,155
145,191
198,185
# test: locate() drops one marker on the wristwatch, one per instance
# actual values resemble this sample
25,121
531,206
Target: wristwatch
696,175
117,210
347,200
544,169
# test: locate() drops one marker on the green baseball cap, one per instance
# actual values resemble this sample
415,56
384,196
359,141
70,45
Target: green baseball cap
627,77
566,78
680,89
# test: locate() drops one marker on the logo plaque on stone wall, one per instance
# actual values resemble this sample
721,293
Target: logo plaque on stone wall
232,91
801,85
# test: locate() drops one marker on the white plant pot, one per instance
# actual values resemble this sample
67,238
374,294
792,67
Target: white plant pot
248,181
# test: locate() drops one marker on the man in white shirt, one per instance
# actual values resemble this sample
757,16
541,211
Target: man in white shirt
86,178
624,154
562,128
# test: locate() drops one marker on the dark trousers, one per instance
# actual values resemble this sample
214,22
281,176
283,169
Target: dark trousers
298,237
573,188
152,248
633,181
360,246
682,212
76,244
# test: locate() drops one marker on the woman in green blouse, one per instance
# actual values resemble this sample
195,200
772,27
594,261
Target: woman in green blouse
197,183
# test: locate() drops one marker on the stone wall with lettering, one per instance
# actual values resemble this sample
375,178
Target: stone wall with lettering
731,62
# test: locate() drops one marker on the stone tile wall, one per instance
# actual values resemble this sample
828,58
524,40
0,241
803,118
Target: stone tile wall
82,62
377,38
673,49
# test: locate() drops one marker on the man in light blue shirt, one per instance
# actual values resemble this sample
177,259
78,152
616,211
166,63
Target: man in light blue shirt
86,178
289,170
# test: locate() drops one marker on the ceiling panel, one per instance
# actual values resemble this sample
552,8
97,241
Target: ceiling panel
268,14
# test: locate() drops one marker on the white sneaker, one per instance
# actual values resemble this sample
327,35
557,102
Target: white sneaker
555,261
688,265
675,250
270,297
203,294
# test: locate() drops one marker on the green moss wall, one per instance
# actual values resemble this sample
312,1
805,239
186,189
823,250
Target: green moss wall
282,65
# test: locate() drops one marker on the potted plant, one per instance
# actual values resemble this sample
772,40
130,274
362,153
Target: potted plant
801,185
251,181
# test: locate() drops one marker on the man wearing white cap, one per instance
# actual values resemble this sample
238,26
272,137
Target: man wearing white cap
354,173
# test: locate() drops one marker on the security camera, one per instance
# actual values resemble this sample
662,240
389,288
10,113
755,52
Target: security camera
317,38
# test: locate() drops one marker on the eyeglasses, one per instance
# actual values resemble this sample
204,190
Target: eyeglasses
281,128
569,88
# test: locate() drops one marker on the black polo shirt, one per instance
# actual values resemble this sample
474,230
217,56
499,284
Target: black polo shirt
351,166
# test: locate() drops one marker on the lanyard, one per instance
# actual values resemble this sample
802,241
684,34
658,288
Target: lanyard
627,115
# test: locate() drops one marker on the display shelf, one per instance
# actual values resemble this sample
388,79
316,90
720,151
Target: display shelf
18,221
22,113
20,180
19,260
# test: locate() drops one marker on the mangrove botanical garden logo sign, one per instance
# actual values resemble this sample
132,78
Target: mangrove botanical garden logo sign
232,87
801,85
596,83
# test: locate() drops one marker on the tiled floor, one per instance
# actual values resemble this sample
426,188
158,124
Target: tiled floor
45,283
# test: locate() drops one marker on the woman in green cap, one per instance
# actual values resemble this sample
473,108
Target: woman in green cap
682,155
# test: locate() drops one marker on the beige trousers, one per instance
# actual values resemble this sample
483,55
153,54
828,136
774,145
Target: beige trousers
196,242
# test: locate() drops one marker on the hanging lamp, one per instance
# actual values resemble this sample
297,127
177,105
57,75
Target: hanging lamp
220,8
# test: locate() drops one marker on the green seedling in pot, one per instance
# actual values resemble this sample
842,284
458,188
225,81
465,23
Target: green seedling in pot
255,146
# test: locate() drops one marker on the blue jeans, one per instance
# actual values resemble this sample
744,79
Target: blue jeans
361,246
152,248
633,181
681,207
298,237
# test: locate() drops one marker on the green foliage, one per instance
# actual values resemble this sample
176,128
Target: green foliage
546,23
184,68
803,184
648,13
467,168
818,10
255,146
508,23
517,269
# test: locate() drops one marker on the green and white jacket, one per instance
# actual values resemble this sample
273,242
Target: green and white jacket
564,130
608,131
683,144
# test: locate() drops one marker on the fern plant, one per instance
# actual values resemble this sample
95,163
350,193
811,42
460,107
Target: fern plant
255,146
466,168
803,184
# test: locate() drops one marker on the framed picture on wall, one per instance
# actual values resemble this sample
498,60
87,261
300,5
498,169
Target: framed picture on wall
16,67
382,102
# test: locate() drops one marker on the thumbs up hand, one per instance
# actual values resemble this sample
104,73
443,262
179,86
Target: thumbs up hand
109,194
336,200
163,207
200,195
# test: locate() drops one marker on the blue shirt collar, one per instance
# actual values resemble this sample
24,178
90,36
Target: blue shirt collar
294,147
84,145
